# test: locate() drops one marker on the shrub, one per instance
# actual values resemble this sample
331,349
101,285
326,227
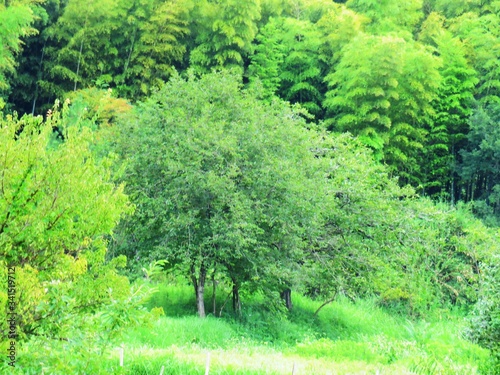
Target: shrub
485,318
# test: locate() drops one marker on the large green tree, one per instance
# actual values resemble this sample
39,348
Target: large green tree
266,62
301,71
221,182
381,91
338,27
481,36
379,239
390,16
30,91
81,50
286,61
447,132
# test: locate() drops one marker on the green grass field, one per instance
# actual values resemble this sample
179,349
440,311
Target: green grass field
345,338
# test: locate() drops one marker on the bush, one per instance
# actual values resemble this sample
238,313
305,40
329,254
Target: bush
485,318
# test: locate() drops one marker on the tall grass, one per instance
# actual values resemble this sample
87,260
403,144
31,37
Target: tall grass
344,338
342,331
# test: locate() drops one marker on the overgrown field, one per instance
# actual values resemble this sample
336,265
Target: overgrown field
345,338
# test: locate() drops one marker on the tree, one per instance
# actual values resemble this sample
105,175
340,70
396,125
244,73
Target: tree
339,27
480,167
381,91
453,9
15,22
266,62
390,16
151,43
360,208
301,72
376,238
286,62
449,128
58,203
85,49
224,33
30,91
221,182
481,36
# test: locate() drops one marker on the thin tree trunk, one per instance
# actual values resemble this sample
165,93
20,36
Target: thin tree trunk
129,55
286,295
80,55
453,176
324,304
39,75
200,292
224,304
194,282
236,299
78,65
214,294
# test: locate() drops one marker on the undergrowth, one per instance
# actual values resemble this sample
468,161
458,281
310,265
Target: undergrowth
344,338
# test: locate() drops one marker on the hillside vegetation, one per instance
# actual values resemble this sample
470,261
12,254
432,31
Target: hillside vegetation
299,186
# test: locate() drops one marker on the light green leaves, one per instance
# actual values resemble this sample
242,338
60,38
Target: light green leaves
15,23
57,203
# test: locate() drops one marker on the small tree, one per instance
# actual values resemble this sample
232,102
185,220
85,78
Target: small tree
57,204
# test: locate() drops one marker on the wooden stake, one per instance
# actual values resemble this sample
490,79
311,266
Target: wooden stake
207,366
121,356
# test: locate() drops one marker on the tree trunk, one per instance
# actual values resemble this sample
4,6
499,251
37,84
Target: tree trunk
39,76
200,292
286,295
194,281
78,65
236,299
199,288
80,54
214,294
224,303
129,55
324,304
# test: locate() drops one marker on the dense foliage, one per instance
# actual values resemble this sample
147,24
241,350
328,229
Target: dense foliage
59,204
403,78
257,148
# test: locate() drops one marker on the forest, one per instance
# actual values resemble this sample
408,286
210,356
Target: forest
250,187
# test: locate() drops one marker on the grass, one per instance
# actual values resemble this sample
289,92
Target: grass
345,338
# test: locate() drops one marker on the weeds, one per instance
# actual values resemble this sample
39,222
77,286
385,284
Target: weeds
344,338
